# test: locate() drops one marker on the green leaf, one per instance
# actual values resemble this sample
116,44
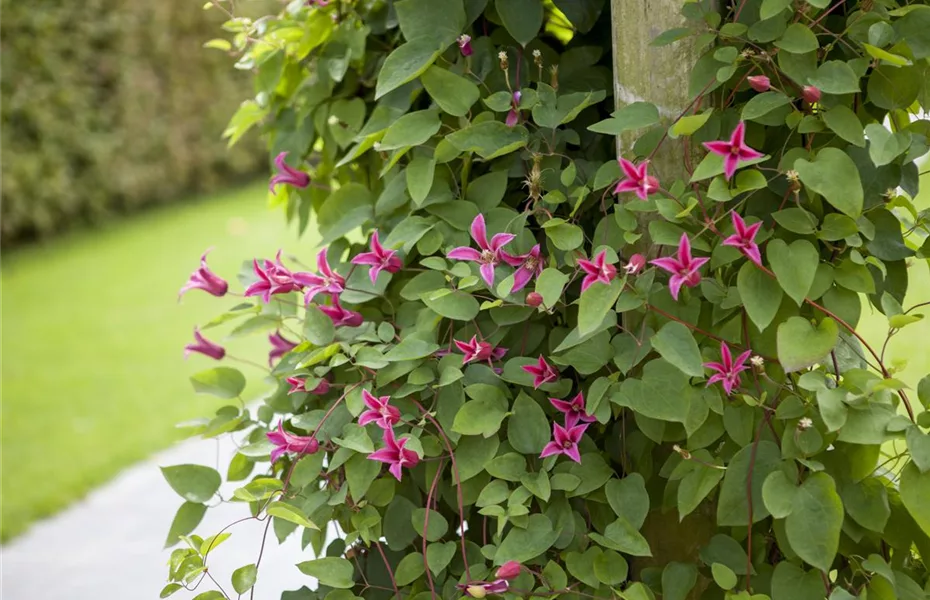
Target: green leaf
769,9
480,417
538,484
355,437
290,513
761,295
522,18
800,344
732,505
171,588
845,124
678,579
791,582
438,21
854,277
915,489
796,220
595,303
412,129
778,493
611,568
918,443
453,93
675,343
525,544
835,77
458,306
795,266
712,165
723,576
813,527
244,578
564,235
419,174
409,569
473,453
866,502
697,484
185,521
690,124
834,175
331,571
550,284
798,39
885,146
888,57
223,382
410,348
194,483
438,556
837,227
318,328
664,392
489,139
629,499
623,537
528,429
632,116
405,63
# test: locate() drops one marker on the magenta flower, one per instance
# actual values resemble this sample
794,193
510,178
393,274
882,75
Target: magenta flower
288,442
300,385
542,372
395,454
728,370
760,83
206,280
636,180
744,239
684,269
598,270
464,42
491,254
279,346
205,347
480,589
733,151
509,570
379,411
527,267
479,351
327,282
288,174
635,264
565,441
811,94
513,117
574,410
342,317
379,259
273,278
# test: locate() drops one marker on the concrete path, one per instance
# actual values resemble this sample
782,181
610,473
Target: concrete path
109,546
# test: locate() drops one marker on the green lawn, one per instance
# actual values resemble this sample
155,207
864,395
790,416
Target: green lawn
93,371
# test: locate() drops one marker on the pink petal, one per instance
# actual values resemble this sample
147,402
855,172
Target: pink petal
500,240
370,401
550,449
630,170
520,278
561,405
720,148
668,264
464,253
487,273
674,285
627,185
369,416
588,281
395,470
739,225
753,254
479,232
366,258
385,455
573,454
726,356
730,164
684,250
738,135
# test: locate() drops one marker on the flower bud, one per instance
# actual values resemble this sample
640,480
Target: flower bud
464,42
476,591
502,56
635,264
534,299
760,83
811,94
511,568
805,424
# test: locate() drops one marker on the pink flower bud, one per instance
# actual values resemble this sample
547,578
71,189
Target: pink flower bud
635,264
534,299
811,94
464,42
509,570
760,83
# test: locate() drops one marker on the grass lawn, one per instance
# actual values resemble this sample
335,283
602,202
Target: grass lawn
93,371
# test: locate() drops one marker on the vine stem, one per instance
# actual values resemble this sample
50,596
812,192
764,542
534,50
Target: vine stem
429,500
390,571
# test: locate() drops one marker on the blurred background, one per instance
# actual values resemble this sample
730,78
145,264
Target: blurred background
115,178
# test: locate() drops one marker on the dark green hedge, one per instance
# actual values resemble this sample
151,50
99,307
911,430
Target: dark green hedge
110,105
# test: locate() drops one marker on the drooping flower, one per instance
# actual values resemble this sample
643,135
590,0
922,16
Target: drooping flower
395,454
542,372
527,267
480,589
479,351
326,282
635,264
280,346
288,174
733,150
379,259
760,83
464,42
565,441
300,385
598,270
273,278
513,117
636,179
811,94
574,410
744,239
204,346
341,316
684,268
205,279
288,442
509,570
380,411
728,370
491,253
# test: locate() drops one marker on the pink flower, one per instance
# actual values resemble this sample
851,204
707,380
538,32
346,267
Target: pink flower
728,370
379,411
479,351
513,117
342,317
205,347
480,589
491,254
733,151
744,239
464,42
288,442
300,385
684,269
395,454
274,278
760,83
288,174
527,266
636,179
598,270
206,280
811,94
509,570
379,259
279,346
574,410
542,372
635,264
327,282
565,441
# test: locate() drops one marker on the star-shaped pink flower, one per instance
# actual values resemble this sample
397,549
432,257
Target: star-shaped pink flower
300,385
744,239
574,410
340,316
733,151
479,351
379,259
565,441
288,442
636,179
728,370
528,266
280,346
684,269
273,278
326,282
379,411
491,253
542,372
395,454
206,280
598,270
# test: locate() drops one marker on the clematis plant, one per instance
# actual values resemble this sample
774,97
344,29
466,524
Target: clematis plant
491,254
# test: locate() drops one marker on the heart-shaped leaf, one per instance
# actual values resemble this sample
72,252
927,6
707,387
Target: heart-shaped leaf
795,266
800,344
833,175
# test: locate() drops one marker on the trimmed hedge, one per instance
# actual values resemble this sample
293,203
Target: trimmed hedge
110,105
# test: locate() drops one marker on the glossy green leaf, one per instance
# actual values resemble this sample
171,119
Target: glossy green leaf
489,139
244,578
522,18
845,124
800,344
733,505
813,527
331,571
795,266
761,295
194,483
595,303
405,63
835,77
453,93
528,429
222,382
675,343
835,176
